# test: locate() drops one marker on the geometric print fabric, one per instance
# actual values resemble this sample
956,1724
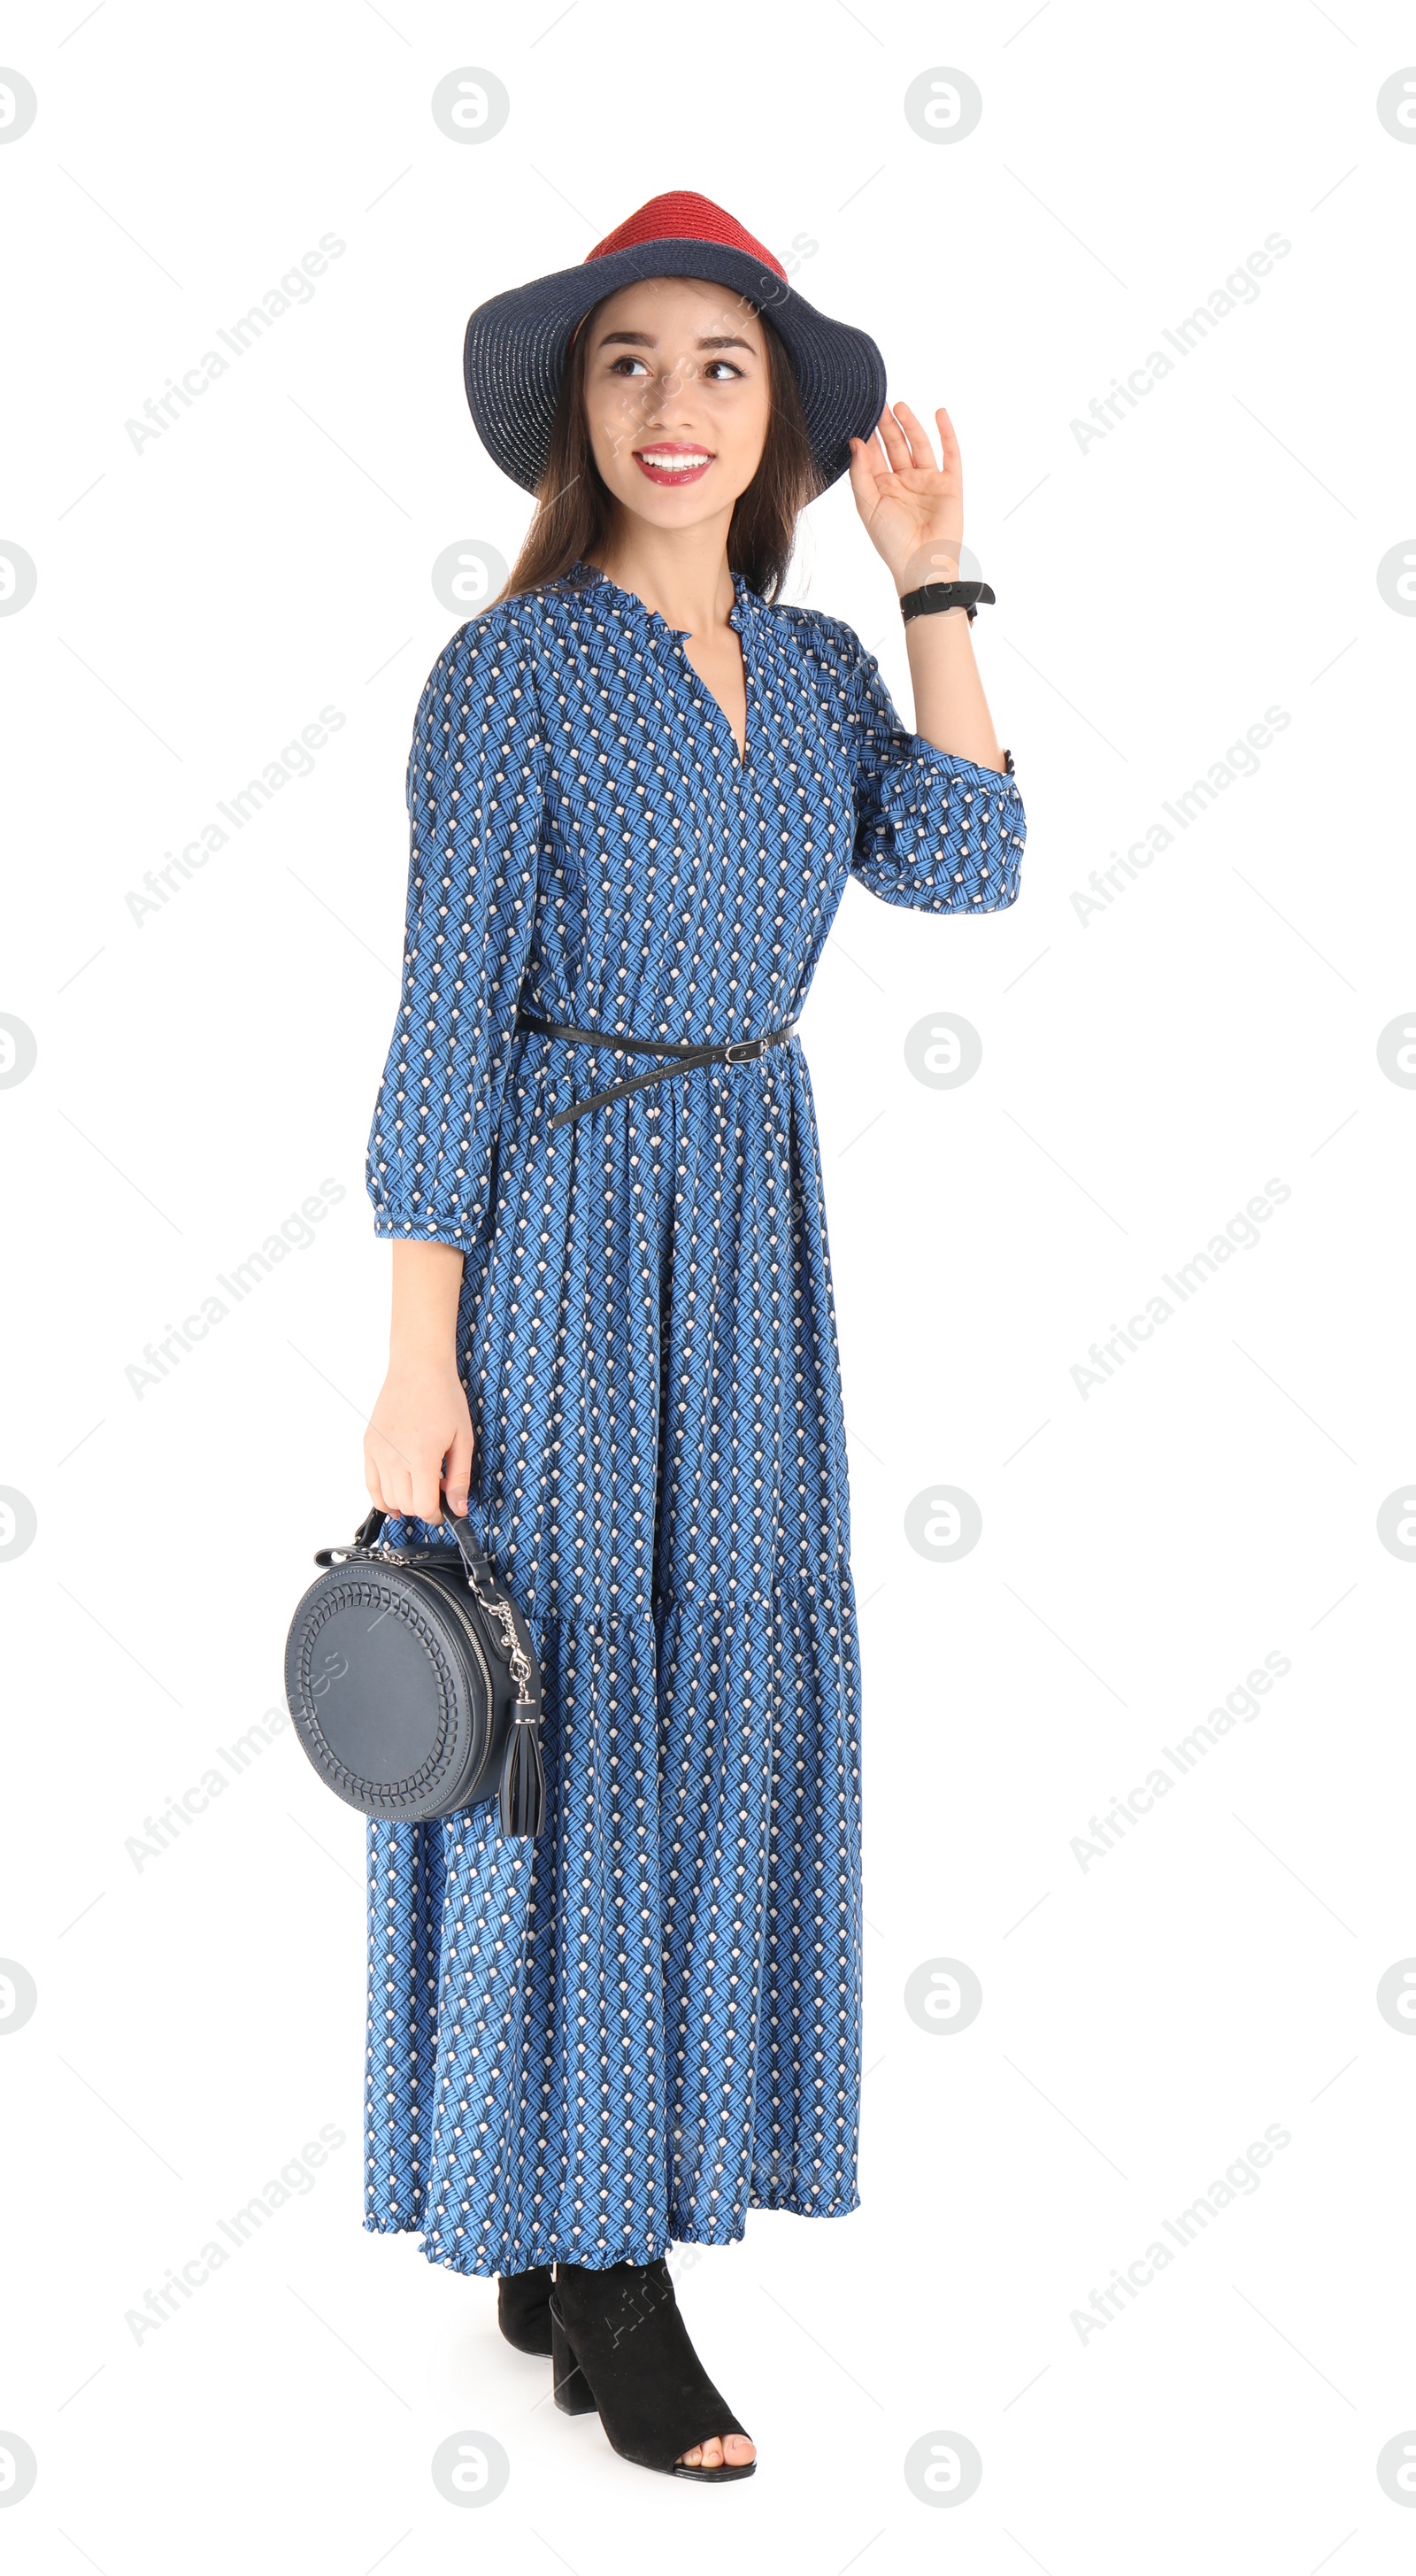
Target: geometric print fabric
646,2023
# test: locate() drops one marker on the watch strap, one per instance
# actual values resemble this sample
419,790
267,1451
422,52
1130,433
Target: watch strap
932,596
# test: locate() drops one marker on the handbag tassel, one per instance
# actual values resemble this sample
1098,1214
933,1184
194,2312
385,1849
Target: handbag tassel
523,1780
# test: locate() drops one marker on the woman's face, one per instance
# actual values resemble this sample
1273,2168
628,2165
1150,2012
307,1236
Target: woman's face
677,398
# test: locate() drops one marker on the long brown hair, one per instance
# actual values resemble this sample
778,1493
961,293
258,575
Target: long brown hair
574,509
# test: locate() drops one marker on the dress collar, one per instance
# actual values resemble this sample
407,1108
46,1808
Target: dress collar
629,605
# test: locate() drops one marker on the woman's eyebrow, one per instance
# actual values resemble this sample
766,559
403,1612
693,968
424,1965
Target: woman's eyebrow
646,340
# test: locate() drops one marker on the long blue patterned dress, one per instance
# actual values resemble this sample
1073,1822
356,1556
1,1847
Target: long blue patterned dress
646,2023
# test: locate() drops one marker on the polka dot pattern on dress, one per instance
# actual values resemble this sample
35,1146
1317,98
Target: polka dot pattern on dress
646,2023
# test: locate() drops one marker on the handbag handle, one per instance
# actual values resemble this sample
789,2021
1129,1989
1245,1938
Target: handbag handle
364,1536
480,1571
494,1597
367,1535
472,1555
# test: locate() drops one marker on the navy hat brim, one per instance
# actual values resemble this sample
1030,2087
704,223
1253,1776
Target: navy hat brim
516,346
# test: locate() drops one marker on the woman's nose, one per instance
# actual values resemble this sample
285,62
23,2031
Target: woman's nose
667,395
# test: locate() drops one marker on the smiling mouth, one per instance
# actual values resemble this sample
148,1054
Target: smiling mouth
673,465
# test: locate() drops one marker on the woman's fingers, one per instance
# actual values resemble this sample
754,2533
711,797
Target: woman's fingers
419,1426
426,1481
864,482
397,1484
458,1469
948,443
387,1472
894,441
380,1470
921,452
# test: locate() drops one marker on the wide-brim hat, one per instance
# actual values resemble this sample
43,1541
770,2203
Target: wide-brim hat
517,343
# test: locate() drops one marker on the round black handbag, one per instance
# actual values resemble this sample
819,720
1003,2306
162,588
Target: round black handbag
413,1682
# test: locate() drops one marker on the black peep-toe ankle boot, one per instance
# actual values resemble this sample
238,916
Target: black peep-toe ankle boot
619,2347
523,2308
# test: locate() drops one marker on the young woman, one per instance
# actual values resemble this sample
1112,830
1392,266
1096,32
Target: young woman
636,790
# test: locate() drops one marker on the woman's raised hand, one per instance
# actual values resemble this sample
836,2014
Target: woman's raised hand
911,502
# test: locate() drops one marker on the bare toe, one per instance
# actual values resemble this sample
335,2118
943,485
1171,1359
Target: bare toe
731,2450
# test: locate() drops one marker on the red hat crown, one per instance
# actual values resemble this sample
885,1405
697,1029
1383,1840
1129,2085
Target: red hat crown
683,216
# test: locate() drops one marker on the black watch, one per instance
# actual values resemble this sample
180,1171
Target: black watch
935,595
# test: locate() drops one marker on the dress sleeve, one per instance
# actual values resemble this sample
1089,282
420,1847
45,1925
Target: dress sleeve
934,832
476,774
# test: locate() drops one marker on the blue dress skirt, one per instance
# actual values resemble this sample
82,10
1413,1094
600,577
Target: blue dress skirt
647,2022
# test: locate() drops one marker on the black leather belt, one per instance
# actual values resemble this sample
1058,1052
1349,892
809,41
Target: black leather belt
683,1050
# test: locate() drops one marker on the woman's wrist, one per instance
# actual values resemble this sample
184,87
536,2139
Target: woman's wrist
427,1289
933,563
920,630
417,1352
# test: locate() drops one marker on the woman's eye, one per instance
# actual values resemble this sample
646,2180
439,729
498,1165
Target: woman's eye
716,370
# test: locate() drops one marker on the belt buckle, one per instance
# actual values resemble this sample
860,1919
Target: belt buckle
745,1050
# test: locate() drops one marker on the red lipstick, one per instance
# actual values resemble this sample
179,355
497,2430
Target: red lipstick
659,461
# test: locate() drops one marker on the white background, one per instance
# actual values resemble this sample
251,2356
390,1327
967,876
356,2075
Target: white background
1144,1074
